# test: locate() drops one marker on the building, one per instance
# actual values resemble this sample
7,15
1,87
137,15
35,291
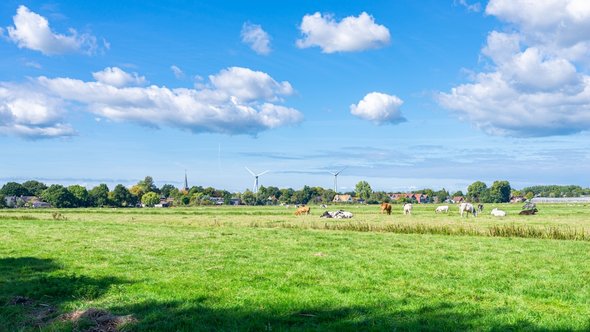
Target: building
342,199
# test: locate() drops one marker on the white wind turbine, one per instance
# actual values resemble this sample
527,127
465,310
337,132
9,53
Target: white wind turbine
336,178
256,178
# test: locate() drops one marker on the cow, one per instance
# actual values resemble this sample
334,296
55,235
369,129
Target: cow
528,212
467,208
498,213
386,207
442,209
302,210
408,208
323,206
340,214
479,208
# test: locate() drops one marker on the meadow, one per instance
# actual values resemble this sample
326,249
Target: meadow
264,269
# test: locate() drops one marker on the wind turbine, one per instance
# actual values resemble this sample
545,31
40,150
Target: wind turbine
256,178
336,179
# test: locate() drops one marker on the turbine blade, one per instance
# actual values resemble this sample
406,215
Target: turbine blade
250,171
262,173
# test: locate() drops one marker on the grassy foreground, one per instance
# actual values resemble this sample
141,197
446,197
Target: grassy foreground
264,269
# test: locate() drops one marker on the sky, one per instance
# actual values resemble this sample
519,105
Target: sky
402,94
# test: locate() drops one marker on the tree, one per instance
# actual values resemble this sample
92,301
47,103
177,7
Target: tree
122,197
248,197
458,193
82,198
147,184
58,196
150,199
34,187
442,195
167,189
477,192
2,201
137,191
363,190
14,189
500,192
99,195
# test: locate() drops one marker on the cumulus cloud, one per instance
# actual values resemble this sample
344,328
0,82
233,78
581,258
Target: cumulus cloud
254,36
248,105
537,83
379,108
32,31
117,77
26,113
349,35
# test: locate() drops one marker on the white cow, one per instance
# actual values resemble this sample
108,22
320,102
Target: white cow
442,209
467,208
408,208
340,214
498,213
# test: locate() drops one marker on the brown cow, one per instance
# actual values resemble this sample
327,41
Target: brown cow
528,212
302,210
386,207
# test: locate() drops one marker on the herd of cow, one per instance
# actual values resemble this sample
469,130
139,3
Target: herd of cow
465,209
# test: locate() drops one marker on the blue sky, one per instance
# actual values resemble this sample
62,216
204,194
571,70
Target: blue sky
404,94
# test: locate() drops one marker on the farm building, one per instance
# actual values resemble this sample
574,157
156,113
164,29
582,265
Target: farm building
571,200
342,199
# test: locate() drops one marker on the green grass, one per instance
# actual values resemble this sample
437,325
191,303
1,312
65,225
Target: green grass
253,268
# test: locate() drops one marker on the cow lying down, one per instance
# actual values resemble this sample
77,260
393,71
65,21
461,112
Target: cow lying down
340,214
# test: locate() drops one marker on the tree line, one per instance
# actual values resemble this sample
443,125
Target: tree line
147,193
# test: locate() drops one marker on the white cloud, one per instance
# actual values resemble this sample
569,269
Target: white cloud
32,31
537,84
379,108
117,77
26,113
256,38
350,34
247,85
474,7
178,73
246,106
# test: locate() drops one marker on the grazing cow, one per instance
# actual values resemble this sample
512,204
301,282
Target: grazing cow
408,208
442,209
498,213
302,210
467,208
528,212
340,214
386,207
479,208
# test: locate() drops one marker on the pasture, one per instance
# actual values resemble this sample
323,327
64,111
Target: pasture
265,269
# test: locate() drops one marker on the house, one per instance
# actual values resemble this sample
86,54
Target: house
217,200
40,205
342,199
458,199
517,199
418,198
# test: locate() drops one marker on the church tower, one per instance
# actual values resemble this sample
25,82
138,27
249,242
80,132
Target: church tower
186,188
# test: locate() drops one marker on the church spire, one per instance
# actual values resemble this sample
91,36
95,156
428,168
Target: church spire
185,182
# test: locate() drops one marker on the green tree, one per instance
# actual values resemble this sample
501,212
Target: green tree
34,187
147,184
99,195
477,192
58,196
82,198
500,192
2,201
150,199
167,190
248,197
14,189
363,190
442,195
122,197
458,193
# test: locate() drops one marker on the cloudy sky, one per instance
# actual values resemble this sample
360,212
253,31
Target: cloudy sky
403,94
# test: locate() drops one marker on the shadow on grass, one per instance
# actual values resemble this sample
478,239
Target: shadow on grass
197,316
33,289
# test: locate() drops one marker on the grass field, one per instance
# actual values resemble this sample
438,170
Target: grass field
264,269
